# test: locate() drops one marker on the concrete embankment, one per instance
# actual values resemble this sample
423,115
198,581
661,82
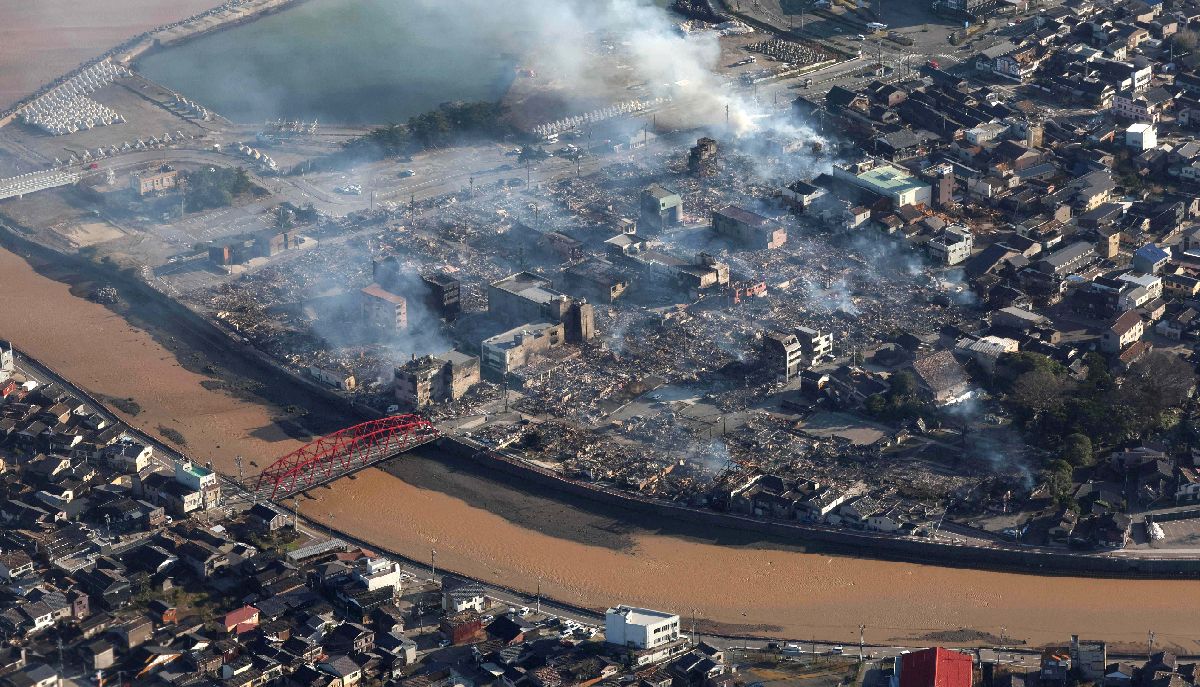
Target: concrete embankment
200,25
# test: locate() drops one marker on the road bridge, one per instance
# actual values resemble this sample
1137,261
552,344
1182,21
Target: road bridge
341,453
32,182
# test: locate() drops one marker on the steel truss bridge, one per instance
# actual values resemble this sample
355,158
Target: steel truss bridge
341,453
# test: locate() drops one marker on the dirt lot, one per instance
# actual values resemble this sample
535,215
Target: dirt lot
1180,533
762,670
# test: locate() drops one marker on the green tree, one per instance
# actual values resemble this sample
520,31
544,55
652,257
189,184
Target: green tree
532,154
1185,40
1156,383
1036,392
1077,450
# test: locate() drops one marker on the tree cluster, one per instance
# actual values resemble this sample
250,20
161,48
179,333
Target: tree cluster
1071,418
434,129
215,187
902,401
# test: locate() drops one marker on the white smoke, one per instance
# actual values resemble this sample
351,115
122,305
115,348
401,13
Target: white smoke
587,46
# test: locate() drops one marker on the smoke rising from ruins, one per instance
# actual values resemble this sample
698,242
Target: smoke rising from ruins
577,42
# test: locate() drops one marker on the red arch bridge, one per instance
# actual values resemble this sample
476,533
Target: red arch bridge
343,452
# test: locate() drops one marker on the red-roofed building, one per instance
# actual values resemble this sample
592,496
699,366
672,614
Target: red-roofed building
241,620
936,667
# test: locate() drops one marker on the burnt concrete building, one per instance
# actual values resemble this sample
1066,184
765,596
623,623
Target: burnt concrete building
435,378
272,243
164,178
514,348
526,297
383,309
445,294
787,355
661,208
748,228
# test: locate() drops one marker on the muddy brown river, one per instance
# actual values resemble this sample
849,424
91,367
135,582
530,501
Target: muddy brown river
491,528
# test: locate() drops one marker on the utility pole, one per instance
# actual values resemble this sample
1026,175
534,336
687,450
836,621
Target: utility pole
1003,641
862,630
539,597
693,627
237,461
1149,644
433,563
412,209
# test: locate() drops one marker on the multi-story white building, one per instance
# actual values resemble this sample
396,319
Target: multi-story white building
7,362
1152,283
1141,136
191,475
378,573
649,635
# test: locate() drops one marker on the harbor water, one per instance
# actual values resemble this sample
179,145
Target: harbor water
346,62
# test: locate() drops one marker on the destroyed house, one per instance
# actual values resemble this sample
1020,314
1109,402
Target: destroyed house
940,377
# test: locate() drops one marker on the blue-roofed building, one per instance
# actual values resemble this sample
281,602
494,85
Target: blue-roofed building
1150,259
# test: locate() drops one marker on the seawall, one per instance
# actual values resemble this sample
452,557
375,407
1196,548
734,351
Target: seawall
840,540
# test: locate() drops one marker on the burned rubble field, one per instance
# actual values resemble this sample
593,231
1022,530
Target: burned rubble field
863,290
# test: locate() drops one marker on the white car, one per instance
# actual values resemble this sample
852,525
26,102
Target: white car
877,26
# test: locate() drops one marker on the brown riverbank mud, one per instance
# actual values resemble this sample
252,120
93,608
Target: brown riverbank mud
105,354
488,527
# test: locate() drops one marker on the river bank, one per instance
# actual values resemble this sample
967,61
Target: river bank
181,376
